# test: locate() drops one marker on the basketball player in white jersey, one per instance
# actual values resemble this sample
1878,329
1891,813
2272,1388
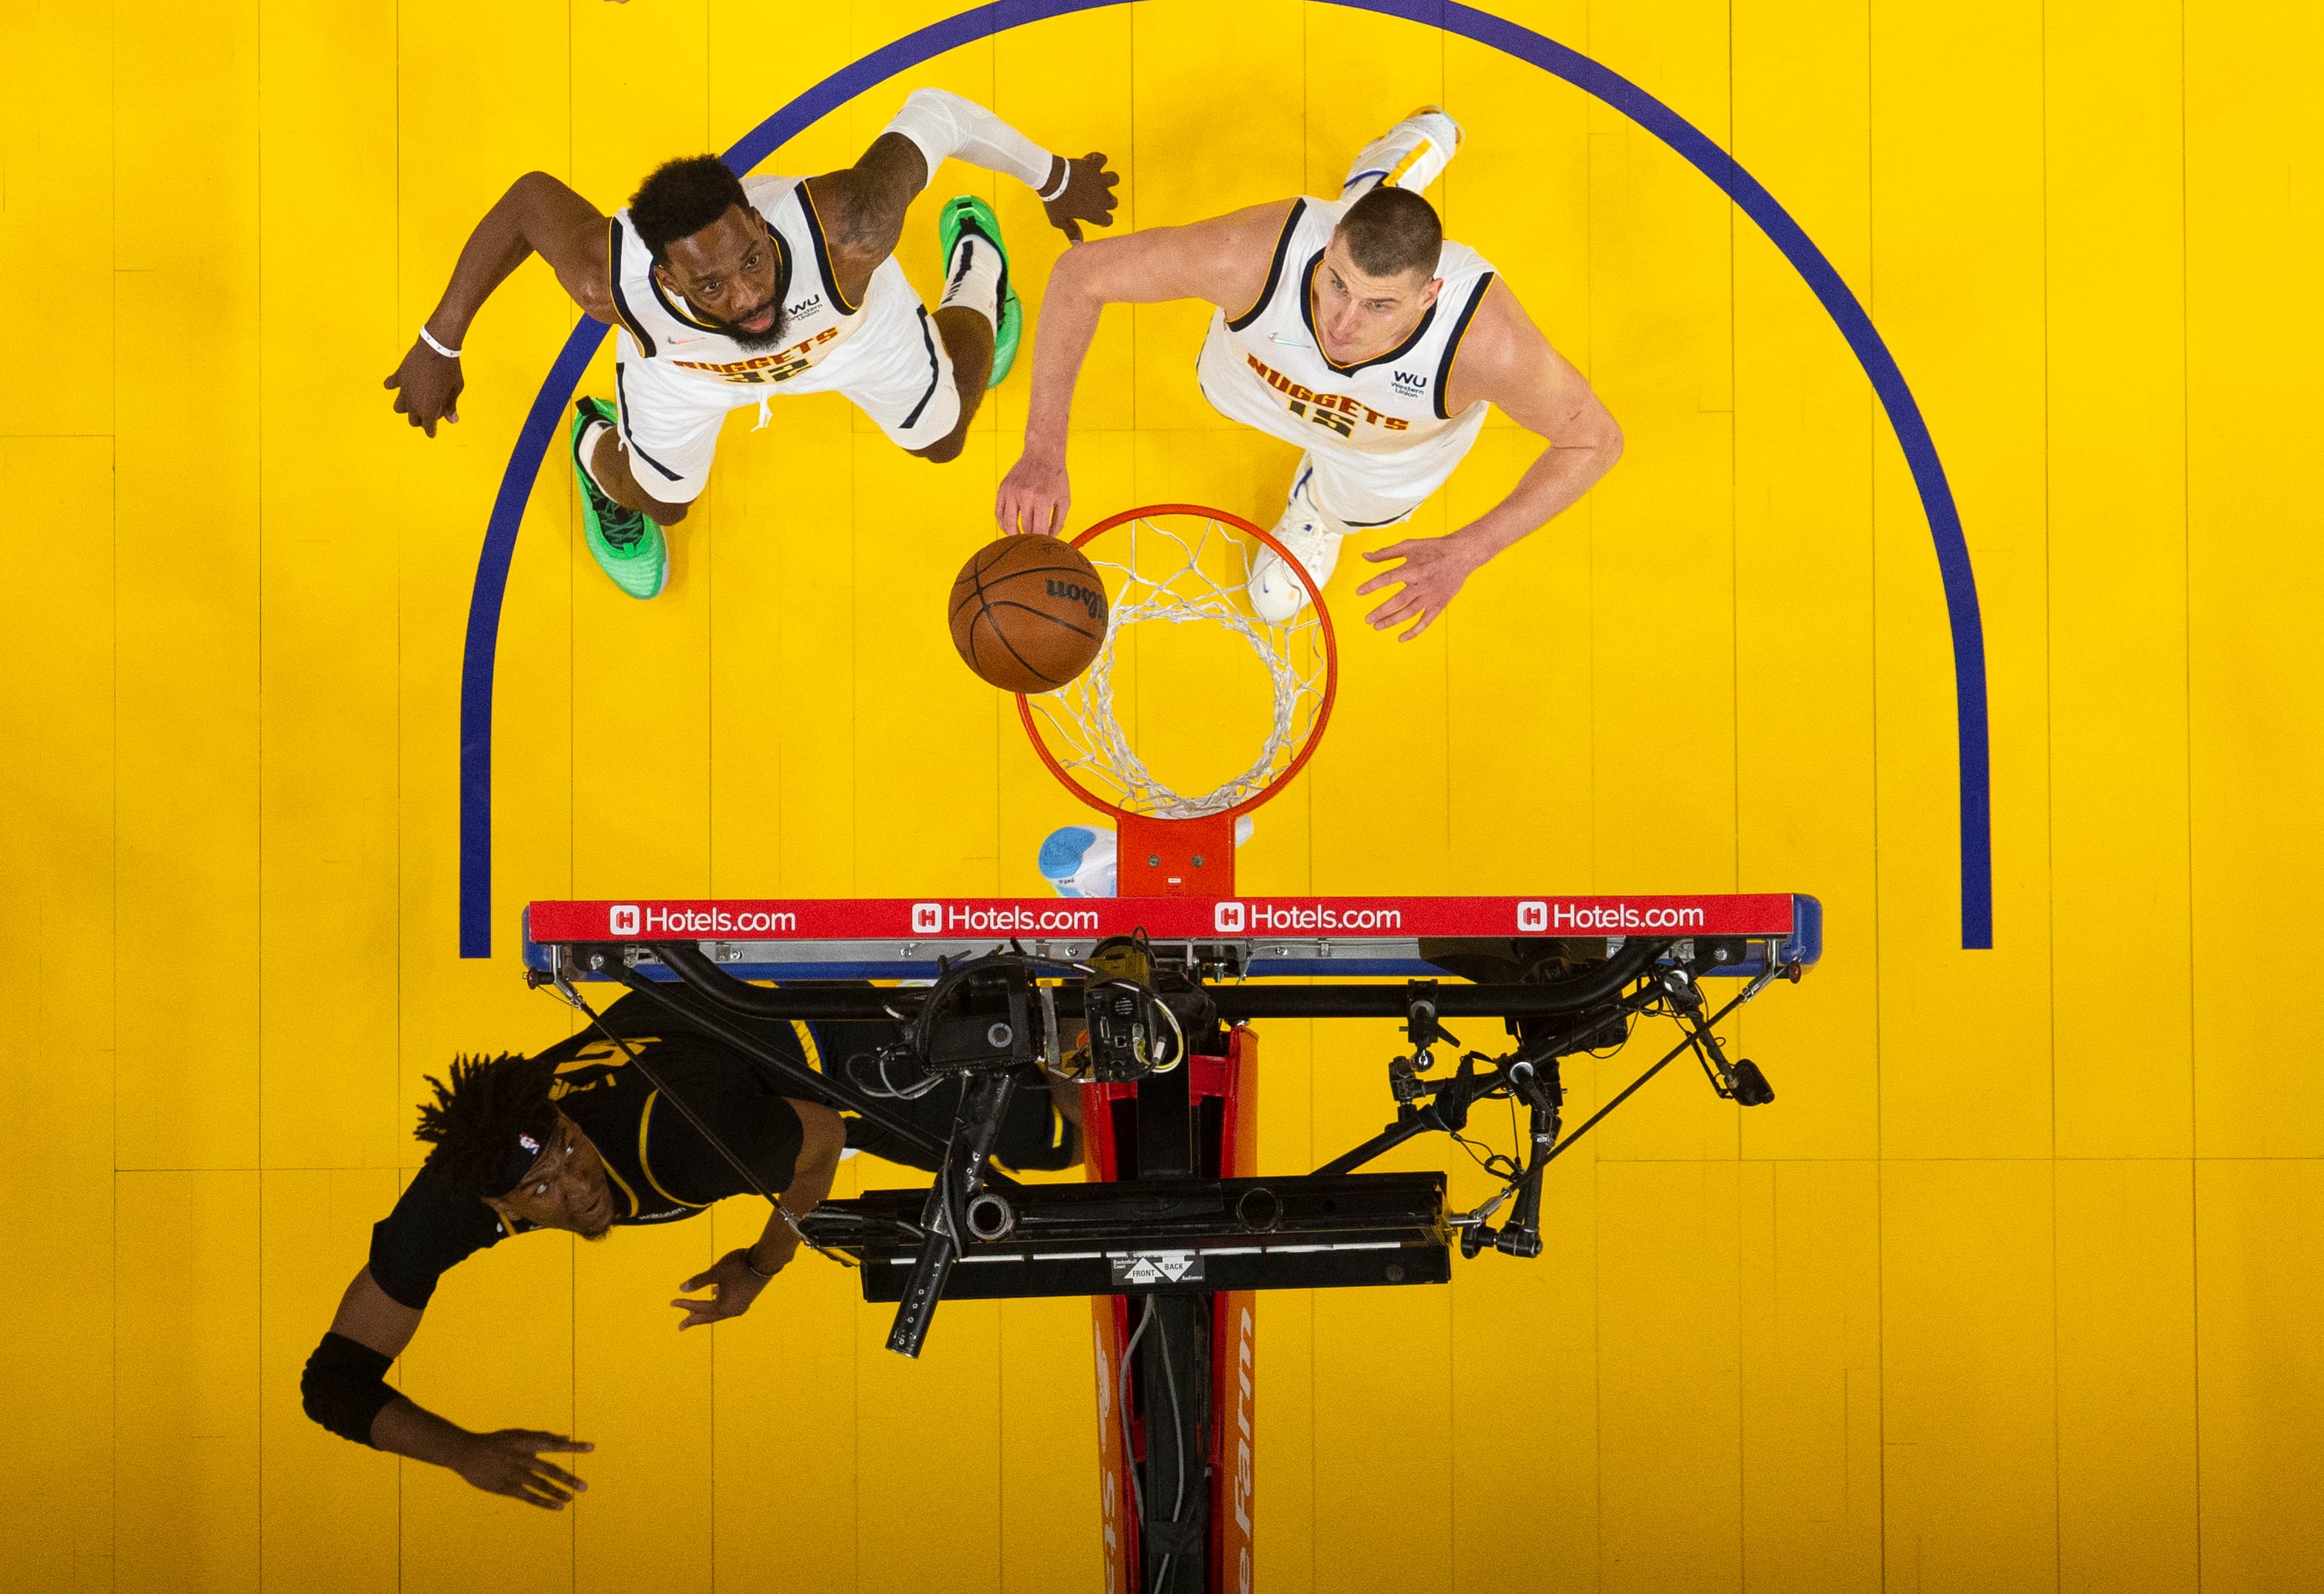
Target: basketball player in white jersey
725,291
1352,329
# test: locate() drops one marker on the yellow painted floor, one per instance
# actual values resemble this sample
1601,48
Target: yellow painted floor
2018,1285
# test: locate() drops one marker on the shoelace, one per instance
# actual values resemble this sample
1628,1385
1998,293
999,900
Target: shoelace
622,528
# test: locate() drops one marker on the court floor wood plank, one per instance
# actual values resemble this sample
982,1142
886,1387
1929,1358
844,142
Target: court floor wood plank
1663,524
2253,324
1805,664
327,624
2129,1461
327,1509
1811,1300
58,930
2257,1223
186,597
2117,530
785,1426
1968,1374
186,1380
59,133
1958,291
641,1393
1669,1379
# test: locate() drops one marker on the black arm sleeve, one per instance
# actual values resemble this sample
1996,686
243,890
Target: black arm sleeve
344,1386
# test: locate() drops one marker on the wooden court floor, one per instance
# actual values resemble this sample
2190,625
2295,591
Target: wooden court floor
2015,1285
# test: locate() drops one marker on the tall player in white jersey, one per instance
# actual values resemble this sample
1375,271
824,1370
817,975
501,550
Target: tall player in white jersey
725,292
1352,329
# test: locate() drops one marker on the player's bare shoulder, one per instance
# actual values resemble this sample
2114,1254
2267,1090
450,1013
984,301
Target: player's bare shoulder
860,208
1503,355
1506,359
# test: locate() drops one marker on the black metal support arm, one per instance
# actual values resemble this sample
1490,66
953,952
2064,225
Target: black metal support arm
945,1215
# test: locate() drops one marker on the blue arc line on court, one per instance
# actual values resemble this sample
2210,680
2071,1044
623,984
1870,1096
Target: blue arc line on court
1864,340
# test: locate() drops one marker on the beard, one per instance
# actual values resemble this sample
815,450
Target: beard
777,331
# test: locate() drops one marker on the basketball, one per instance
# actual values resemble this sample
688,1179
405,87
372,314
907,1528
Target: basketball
1028,612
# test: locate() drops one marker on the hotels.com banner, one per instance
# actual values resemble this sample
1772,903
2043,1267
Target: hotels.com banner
1163,917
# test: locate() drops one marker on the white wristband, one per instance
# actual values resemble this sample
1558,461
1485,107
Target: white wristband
1064,181
428,338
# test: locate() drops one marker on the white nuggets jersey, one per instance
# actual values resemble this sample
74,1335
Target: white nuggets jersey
1267,369
663,324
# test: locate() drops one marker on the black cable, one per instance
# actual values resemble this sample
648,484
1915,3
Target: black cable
1122,1407
1178,1445
1690,1043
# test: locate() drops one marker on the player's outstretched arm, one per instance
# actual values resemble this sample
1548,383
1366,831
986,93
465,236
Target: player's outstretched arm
861,208
1222,261
345,1390
1505,360
735,1279
538,216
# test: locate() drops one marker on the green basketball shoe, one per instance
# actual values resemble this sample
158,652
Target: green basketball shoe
969,214
627,547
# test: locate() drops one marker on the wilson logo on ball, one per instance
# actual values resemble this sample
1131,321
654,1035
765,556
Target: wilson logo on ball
1091,599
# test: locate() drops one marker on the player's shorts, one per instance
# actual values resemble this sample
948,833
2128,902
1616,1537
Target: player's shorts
893,367
1360,488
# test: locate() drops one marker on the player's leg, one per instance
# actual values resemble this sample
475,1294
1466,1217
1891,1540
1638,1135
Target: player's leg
1411,154
967,338
640,462
1329,503
608,465
979,320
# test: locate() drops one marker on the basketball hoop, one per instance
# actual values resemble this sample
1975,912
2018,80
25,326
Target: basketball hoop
1181,565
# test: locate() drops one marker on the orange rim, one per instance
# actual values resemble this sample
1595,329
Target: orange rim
1330,666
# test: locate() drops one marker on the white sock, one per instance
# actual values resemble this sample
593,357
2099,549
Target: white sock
589,436
973,279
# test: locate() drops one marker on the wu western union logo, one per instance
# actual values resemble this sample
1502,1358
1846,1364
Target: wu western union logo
1335,411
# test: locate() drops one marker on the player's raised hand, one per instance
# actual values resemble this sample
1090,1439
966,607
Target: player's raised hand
1433,570
1034,496
1088,197
427,387
509,1462
732,1285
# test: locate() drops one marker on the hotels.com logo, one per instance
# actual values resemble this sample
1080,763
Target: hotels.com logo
622,919
1532,918
1227,918
928,918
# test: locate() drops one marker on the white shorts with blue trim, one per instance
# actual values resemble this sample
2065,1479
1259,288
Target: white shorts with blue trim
893,367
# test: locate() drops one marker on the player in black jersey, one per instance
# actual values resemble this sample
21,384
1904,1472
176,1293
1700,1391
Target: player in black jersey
576,1138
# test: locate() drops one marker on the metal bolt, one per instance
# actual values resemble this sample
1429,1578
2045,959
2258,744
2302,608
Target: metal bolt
1198,861
999,1035
1153,860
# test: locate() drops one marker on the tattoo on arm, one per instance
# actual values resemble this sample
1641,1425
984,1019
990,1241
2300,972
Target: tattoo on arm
864,214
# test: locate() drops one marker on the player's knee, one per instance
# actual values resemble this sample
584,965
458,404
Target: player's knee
943,452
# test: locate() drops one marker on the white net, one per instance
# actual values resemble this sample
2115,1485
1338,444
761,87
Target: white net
1182,569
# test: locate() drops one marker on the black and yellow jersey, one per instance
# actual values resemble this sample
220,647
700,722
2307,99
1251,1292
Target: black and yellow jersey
659,1168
